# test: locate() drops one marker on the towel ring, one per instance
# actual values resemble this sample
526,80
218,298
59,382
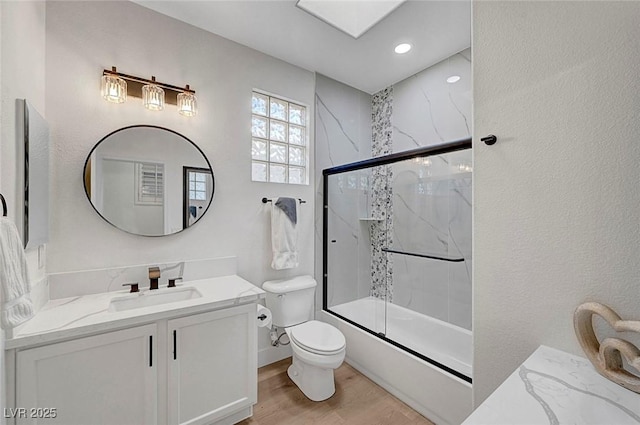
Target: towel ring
4,205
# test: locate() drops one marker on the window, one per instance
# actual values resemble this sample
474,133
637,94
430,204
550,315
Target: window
278,140
149,183
198,186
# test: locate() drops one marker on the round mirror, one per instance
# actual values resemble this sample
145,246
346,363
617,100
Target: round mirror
148,180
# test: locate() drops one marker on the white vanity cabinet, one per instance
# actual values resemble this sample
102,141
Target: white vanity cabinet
107,378
213,367
195,369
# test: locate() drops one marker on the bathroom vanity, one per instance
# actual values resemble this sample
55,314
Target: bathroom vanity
81,360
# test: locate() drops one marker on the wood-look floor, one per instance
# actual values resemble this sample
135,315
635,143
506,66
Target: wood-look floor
357,401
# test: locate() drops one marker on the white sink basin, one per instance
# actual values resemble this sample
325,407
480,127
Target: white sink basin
155,297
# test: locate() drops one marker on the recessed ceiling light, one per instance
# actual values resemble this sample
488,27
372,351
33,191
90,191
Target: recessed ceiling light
453,79
402,48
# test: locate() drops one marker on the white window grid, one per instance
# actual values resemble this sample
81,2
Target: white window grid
279,144
197,186
149,183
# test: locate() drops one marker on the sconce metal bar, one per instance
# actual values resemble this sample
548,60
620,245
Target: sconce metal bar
134,86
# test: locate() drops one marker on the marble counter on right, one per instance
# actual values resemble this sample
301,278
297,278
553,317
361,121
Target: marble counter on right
554,387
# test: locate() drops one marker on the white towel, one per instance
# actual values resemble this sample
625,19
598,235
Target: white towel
284,240
14,281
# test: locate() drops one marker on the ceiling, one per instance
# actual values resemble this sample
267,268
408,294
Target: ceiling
435,29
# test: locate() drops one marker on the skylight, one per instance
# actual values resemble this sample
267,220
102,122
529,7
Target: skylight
354,17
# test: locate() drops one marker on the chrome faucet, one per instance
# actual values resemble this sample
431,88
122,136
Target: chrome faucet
154,275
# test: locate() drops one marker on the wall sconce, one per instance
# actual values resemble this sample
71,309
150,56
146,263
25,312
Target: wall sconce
154,94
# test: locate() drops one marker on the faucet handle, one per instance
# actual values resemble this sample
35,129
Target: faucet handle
133,285
154,272
172,282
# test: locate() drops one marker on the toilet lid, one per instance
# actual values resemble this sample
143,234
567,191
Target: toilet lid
318,337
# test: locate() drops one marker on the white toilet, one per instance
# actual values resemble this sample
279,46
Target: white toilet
318,348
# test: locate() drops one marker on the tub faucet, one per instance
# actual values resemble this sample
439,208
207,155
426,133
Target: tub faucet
154,275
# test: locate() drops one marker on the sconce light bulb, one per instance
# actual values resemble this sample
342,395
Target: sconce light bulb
153,97
187,104
113,88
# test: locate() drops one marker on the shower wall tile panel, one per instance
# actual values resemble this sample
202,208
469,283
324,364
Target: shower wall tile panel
342,135
427,110
432,199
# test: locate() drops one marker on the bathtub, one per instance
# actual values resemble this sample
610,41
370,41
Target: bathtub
443,397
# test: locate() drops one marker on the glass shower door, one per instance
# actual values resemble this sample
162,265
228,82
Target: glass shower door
351,223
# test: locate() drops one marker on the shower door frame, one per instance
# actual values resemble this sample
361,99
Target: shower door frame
439,149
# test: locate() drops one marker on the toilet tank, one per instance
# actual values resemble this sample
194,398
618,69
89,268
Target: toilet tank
291,301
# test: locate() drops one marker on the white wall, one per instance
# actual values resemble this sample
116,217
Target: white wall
23,45
119,206
82,39
22,35
556,199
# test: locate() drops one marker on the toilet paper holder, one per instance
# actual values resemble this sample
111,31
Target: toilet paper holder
263,316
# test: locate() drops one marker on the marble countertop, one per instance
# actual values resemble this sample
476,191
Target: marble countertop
89,314
554,387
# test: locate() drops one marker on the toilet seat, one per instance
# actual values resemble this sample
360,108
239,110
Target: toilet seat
318,338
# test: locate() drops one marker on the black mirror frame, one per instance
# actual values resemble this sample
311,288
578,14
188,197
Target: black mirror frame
86,191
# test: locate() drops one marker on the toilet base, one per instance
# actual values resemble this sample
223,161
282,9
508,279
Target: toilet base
316,383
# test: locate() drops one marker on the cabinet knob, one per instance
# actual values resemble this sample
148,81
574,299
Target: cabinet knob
133,285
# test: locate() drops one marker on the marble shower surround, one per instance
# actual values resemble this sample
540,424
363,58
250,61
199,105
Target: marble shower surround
424,213
342,136
350,126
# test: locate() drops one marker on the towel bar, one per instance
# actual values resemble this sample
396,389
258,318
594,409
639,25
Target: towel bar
4,205
265,200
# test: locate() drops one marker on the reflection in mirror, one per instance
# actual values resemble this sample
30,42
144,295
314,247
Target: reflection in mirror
139,179
197,192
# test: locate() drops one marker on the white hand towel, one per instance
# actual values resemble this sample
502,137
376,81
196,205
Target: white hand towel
14,281
284,240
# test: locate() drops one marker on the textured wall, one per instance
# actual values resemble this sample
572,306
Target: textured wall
556,199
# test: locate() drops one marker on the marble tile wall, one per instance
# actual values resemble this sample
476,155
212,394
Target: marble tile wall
343,135
432,215
432,197
419,206
427,110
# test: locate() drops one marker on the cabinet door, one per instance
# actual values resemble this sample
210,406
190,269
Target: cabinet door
212,365
104,379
